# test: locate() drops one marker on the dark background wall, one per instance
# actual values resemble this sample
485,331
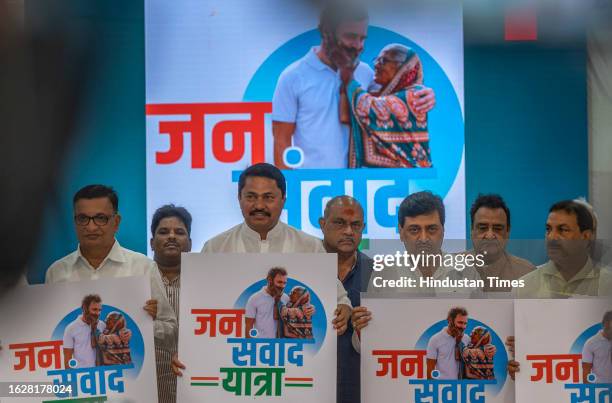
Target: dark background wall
525,133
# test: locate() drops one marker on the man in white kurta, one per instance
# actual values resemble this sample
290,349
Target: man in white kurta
281,239
99,255
261,193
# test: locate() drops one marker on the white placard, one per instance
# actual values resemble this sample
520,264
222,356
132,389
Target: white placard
220,292
550,338
398,342
39,320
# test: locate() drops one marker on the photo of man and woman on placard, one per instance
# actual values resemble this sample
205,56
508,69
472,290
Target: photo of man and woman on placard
90,341
274,314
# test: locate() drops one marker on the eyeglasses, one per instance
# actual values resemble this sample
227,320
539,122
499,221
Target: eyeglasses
99,219
337,225
382,60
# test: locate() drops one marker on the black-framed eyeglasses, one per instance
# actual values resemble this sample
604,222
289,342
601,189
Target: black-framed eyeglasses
99,219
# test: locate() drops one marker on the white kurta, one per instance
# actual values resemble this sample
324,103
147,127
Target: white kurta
280,239
121,262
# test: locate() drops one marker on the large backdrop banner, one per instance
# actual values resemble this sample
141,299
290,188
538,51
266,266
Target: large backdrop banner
258,325
410,353
212,69
65,352
554,341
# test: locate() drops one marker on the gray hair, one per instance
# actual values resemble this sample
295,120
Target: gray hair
397,52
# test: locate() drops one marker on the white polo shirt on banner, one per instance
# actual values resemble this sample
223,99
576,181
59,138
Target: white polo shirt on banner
77,336
598,352
441,347
260,306
308,94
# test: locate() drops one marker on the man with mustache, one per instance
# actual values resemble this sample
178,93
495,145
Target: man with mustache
171,235
342,225
490,232
81,336
306,100
261,194
570,271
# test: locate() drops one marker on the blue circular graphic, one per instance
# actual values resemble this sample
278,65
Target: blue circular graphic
293,157
445,120
136,342
501,356
319,319
584,336
435,374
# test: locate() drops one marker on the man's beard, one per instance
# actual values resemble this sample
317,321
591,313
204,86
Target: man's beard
91,319
352,53
457,332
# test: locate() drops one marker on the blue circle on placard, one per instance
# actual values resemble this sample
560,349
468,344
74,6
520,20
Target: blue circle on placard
501,356
136,342
578,345
446,124
319,320
293,156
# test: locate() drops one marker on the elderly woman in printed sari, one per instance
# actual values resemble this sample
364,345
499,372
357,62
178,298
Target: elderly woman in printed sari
389,124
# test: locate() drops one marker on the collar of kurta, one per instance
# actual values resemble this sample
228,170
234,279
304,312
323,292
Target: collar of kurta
167,281
587,271
115,254
274,233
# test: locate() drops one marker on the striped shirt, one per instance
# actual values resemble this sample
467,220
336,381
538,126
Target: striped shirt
166,380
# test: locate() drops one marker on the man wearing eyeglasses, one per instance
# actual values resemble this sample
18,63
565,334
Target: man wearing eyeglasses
99,255
342,225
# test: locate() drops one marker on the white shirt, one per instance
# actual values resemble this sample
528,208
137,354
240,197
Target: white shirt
120,262
308,94
77,336
260,306
548,282
441,347
280,239
598,351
